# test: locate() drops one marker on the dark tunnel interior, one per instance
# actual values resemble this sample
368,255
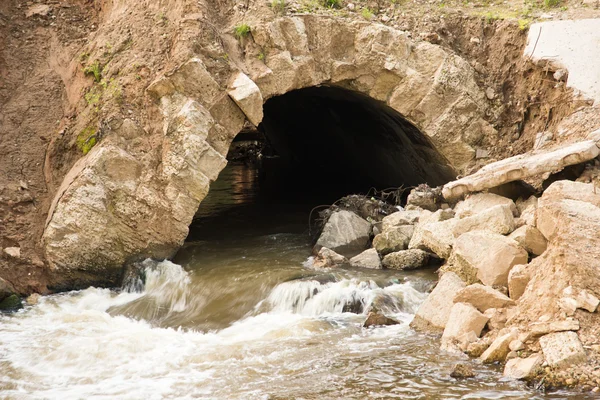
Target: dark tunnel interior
314,146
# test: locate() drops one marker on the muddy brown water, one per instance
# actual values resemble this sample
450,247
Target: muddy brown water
238,315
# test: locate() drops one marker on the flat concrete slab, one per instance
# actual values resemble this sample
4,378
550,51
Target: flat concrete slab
573,45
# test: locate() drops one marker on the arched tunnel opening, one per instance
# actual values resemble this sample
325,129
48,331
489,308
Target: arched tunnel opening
314,146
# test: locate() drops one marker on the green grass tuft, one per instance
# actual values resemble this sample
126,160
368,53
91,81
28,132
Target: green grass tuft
241,31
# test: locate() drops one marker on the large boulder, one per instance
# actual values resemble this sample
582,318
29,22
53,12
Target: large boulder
498,219
425,218
406,259
463,319
345,233
491,254
518,278
562,349
404,217
521,167
499,348
438,237
479,202
483,297
367,259
530,238
394,239
433,314
523,368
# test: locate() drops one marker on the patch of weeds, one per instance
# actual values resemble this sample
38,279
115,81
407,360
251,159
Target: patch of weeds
367,14
524,24
94,69
83,57
331,3
241,31
86,139
278,6
551,3
309,6
161,18
92,97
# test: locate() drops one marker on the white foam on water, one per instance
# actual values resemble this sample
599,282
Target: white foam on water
69,346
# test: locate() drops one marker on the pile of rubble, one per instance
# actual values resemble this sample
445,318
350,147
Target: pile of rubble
519,281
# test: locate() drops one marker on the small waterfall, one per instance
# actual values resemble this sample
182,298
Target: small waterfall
312,298
165,288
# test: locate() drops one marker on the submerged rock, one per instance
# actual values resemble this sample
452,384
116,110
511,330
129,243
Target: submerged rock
375,318
11,303
462,370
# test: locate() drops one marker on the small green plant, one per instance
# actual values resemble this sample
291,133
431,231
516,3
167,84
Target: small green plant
261,56
95,70
161,17
83,57
331,3
241,31
524,24
367,14
278,6
92,98
86,139
551,3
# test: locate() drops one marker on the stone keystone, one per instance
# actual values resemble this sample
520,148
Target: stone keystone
247,96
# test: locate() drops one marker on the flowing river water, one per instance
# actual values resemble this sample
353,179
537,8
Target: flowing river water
238,315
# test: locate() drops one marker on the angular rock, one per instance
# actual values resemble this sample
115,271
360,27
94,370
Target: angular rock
327,258
14,252
425,197
497,318
544,328
491,254
521,167
518,278
403,217
433,314
406,259
345,233
499,348
438,237
478,202
528,210
378,319
477,348
530,238
523,368
247,96
568,305
426,217
562,349
482,297
464,318
498,219
392,240
367,259
587,301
